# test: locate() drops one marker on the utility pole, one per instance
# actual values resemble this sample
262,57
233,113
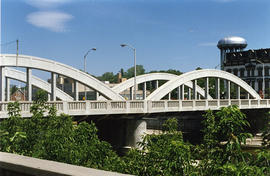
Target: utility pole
17,53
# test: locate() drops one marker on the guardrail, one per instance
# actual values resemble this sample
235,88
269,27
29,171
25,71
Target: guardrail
138,106
12,164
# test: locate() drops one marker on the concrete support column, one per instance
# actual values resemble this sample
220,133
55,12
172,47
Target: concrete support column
97,95
179,91
53,87
2,82
29,83
237,92
194,93
144,90
189,94
169,97
228,89
183,92
206,88
217,87
131,93
76,90
8,89
135,130
156,84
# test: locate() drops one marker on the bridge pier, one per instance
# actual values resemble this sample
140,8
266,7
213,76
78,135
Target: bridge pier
135,130
122,134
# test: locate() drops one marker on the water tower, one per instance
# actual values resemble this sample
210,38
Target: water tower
230,44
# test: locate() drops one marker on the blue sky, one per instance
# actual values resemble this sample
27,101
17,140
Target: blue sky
168,34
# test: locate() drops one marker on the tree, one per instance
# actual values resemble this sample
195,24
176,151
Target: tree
41,96
11,131
130,72
55,137
162,154
171,71
13,89
221,152
108,76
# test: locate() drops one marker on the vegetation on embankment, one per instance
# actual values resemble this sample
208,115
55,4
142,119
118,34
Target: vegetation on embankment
57,138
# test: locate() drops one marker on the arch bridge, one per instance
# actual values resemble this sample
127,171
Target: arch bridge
160,92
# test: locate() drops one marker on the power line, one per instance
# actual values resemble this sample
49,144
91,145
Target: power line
7,43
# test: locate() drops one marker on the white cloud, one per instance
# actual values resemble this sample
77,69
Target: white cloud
208,44
46,3
51,20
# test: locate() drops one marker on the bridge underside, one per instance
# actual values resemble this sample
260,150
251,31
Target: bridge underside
124,131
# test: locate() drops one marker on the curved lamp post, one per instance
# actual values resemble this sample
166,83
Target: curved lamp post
134,50
92,49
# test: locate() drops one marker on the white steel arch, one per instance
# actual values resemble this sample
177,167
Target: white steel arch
163,90
151,77
21,76
11,60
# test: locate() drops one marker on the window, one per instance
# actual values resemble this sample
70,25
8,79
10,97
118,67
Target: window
266,70
259,71
242,72
235,72
252,72
248,72
229,70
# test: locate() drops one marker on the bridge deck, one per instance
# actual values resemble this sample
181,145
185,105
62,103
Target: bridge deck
82,108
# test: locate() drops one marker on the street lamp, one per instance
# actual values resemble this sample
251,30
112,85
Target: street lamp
134,50
217,66
92,49
263,88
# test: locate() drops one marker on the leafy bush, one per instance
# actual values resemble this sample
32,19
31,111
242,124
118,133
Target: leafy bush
56,137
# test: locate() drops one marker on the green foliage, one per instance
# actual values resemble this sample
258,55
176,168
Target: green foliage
41,96
162,154
113,78
56,137
221,152
266,131
130,72
108,76
11,130
13,89
170,125
172,71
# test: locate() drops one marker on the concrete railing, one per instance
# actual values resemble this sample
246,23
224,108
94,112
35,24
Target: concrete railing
126,107
11,164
